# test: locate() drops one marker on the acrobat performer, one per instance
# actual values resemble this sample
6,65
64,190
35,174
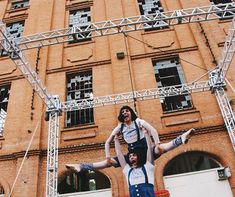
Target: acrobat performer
139,173
130,128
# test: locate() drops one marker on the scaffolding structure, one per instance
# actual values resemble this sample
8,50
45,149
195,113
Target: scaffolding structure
55,107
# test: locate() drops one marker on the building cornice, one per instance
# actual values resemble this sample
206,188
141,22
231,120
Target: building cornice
101,145
79,66
164,54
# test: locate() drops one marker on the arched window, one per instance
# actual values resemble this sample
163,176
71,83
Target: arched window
190,162
83,181
1,191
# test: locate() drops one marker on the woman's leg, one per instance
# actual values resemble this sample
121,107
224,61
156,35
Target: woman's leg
182,139
91,166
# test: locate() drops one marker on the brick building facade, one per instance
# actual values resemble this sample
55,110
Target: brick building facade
107,65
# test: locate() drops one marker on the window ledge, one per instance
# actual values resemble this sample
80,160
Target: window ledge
182,117
78,44
17,10
154,31
227,20
75,133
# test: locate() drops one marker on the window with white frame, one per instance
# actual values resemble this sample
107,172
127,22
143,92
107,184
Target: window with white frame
227,15
190,162
16,4
152,7
80,20
4,97
169,73
79,87
16,30
83,181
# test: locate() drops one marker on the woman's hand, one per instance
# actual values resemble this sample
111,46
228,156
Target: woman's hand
109,161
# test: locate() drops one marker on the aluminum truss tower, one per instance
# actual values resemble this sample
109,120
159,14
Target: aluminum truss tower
14,47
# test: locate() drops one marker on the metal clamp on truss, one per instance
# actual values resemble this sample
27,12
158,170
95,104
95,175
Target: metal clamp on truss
56,107
215,80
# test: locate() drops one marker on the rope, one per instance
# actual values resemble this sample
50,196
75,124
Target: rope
21,165
129,67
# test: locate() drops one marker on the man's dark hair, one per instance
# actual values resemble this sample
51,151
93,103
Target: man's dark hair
121,117
141,156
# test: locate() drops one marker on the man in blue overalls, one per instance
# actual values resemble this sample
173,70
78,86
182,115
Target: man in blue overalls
139,172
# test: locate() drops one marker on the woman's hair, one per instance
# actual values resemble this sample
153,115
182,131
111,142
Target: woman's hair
121,117
141,157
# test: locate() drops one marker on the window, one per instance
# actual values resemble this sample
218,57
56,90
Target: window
19,4
190,162
169,73
79,86
16,30
1,191
80,19
152,7
227,14
4,96
83,181
221,1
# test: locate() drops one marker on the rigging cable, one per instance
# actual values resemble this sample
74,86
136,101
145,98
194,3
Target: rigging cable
130,73
165,52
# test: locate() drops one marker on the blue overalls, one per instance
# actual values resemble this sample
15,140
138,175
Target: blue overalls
143,189
140,143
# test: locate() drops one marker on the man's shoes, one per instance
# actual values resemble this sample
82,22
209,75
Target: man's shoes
186,136
74,167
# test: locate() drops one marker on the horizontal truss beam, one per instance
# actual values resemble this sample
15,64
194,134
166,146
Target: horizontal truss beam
141,95
110,27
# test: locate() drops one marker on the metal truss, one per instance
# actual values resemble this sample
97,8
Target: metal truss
134,23
227,52
7,43
227,113
14,47
52,155
135,96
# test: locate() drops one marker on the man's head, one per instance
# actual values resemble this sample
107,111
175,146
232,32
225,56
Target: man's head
126,113
136,158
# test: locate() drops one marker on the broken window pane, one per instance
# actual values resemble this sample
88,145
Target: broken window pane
19,4
152,7
229,14
16,30
4,97
79,86
80,21
169,73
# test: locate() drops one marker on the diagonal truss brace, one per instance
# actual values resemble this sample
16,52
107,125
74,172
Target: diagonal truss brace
217,76
110,27
227,52
8,44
